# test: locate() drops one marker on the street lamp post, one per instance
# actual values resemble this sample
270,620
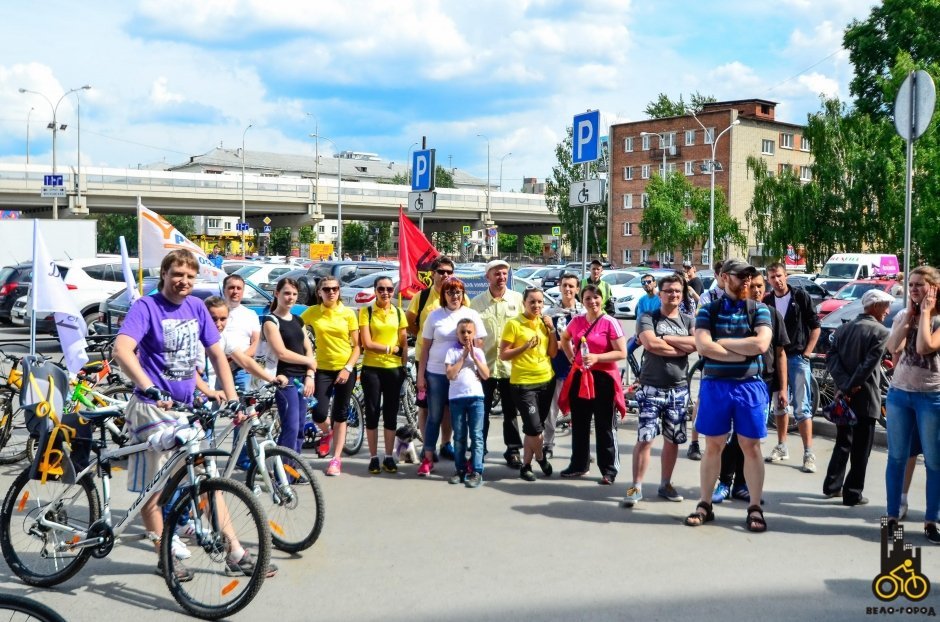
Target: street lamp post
408,163
54,126
712,168
501,170
339,196
316,193
489,214
28,115
244,219
78,165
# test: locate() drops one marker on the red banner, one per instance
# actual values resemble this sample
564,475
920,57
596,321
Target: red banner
415,255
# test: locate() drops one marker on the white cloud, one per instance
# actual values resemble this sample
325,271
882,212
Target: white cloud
159,94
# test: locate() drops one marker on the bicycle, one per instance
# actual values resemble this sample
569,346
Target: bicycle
28,607
278,476
14,437
51,524
355,423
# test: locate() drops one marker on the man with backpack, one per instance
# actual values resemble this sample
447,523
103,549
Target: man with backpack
597,269
802,324
732,334
663,394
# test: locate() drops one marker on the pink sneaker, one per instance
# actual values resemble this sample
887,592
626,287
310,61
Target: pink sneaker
323,449
335,468
426,467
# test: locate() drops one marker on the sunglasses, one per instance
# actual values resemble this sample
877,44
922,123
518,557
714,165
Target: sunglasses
382,290
444,272
329,290
455,292
646,282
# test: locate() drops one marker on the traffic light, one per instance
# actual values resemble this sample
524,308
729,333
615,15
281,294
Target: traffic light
554,246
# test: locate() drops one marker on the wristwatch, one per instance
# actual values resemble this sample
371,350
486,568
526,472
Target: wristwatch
348,368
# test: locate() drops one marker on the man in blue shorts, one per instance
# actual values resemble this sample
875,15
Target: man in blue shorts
732,334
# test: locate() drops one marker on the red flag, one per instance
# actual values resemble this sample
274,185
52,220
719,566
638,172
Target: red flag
415,255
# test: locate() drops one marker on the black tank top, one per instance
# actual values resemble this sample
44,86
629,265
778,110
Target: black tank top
292,334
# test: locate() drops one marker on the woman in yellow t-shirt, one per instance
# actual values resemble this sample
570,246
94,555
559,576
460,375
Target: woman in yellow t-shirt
336,333
383,329
529,341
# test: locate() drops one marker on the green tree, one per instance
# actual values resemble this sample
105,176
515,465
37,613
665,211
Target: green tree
533,245
447,242
507,242
280,241
442,179
112,226
556,197
662,106
306,235
355,237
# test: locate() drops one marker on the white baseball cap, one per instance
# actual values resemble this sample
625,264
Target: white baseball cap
874,296
496,263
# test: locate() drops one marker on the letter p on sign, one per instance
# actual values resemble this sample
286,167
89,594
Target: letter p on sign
586,139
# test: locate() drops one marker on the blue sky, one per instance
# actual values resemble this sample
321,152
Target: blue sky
174,78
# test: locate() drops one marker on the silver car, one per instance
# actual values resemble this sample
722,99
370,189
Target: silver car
361,291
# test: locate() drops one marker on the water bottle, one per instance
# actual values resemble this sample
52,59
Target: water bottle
584,353
422,394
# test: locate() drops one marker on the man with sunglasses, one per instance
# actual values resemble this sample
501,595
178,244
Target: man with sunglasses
497,305
421,306
649,302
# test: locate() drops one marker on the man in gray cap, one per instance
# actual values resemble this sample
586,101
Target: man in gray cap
854,361
732,334
497,305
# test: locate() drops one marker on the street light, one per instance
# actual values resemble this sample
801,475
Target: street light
78,165
28,115
54,126
316,194
244,220
408,163
501,170
339,196
489,215
712,167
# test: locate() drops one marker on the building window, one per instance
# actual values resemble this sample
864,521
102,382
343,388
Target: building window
334,229
628,144
228,226
767,146
627,256
322,229
806,173
689,138
645,171
670,167
784,168
667,258
709,136
687,255
628,201
667,140
706,260
804,143
786,141
644,255
628,173
689,167
215,223
646,200
627,229
646,142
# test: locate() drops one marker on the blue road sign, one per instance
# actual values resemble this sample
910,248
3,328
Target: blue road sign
422,170
267,229
52,180
586,137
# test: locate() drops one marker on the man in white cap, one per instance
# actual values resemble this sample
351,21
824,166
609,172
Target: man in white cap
497,305
854,361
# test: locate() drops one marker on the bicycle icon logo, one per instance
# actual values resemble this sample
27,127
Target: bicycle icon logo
900,567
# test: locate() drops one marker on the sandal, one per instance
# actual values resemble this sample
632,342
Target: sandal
754,523
696,518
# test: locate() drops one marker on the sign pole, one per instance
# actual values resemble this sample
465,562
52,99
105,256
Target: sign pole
584,228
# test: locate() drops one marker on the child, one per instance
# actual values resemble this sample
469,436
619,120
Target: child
466,368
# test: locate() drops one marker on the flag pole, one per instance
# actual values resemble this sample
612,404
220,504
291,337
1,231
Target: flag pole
32,298
140,252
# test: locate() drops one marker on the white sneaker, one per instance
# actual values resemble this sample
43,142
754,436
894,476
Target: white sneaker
179,549
778,454
809,462
186,530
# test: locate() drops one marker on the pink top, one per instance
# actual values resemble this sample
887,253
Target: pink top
599,340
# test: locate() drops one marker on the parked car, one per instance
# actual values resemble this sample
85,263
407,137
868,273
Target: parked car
551,277
345,271
361,292
533,274
617,279
264,275
816,292
231,266
625,304
854,291
14,282
847,313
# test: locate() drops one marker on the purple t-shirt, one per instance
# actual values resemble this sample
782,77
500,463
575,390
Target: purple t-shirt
167,337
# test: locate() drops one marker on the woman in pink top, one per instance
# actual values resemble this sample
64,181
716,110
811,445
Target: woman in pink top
594,343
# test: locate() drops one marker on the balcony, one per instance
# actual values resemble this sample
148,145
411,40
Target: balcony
673,152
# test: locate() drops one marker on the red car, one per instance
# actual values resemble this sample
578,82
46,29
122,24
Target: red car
854,290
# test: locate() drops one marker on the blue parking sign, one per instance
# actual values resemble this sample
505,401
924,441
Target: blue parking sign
422,170
586,137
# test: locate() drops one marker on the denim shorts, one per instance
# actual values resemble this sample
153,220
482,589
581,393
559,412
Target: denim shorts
741,403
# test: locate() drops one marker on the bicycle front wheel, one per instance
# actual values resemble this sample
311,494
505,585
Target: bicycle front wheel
14,437
355,424
223,512
293,500
25,609
41,555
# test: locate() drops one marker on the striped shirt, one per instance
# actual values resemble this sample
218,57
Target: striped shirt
732,322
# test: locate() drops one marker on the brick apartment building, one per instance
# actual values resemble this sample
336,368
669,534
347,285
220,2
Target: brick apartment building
635,158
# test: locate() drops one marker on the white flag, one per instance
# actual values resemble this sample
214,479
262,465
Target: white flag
132,292
51,295
158,237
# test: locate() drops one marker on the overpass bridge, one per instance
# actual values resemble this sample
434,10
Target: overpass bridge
288,201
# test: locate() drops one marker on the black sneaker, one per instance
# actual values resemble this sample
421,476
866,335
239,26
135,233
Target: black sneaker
246,567
548,453
572,472
513,461
545,465
374,467
694,452
932,533
389,465
526,473
456,478
183,573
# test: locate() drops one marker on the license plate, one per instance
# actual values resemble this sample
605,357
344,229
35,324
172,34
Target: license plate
819,372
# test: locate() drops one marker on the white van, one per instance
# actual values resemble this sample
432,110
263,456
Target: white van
843,268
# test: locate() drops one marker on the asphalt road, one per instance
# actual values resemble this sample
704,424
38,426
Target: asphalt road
403,548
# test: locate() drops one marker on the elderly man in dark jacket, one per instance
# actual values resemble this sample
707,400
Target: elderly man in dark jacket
854,362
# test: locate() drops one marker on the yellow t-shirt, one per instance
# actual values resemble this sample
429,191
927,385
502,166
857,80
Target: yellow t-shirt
383,328
533,366
332,328
433,302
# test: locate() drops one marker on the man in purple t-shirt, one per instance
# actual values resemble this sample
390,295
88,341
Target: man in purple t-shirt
165,330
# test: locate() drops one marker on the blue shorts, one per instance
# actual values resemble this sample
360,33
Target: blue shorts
741,403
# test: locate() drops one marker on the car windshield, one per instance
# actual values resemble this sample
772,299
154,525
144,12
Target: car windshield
839,270
5,274
369,280
524,272
854,291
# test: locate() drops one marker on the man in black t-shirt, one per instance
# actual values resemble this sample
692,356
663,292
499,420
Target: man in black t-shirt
667,339
693,279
